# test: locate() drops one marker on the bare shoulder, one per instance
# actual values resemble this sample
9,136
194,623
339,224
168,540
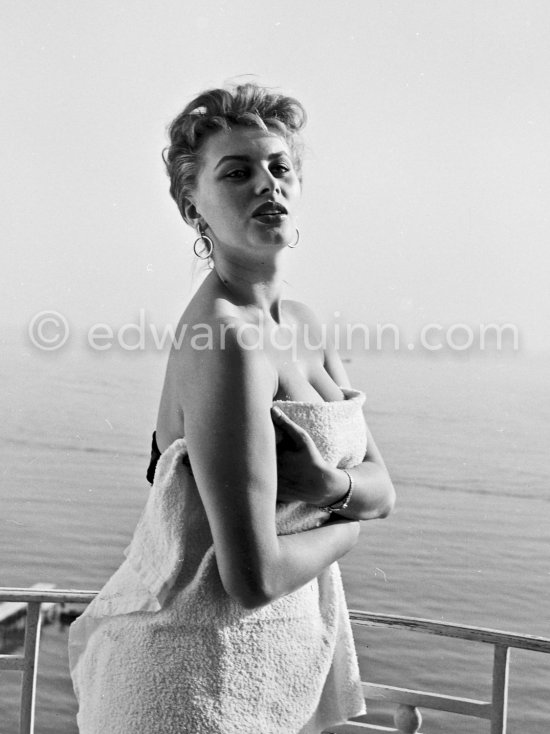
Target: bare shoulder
214,367
218,353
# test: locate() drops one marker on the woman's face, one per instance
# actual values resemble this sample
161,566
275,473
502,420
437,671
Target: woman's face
247,192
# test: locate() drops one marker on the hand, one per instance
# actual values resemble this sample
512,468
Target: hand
302,473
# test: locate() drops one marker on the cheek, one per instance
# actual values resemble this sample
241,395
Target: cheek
215,208
224,213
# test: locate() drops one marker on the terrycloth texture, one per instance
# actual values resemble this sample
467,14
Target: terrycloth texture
164,650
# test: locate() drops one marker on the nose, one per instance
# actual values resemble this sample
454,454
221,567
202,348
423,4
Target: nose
266,182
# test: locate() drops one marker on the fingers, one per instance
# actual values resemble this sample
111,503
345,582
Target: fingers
293,430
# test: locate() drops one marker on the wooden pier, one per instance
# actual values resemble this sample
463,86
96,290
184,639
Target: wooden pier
13,612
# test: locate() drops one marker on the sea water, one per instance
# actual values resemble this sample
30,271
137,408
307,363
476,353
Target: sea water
465,439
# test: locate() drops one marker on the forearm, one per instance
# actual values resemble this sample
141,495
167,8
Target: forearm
300,557
303,474
373,495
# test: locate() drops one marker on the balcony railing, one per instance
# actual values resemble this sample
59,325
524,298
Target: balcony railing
407,717
27,663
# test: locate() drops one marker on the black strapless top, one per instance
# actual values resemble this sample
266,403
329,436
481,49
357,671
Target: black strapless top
155,456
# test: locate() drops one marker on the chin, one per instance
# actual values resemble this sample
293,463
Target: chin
278,243
278,237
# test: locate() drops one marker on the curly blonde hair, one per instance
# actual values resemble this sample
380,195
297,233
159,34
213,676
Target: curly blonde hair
221,109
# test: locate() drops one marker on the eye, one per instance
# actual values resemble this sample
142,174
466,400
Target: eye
280,169
236,173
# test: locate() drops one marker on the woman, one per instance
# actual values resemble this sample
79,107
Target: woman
228,614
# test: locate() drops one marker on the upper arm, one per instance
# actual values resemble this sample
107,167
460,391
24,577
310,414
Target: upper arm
227,397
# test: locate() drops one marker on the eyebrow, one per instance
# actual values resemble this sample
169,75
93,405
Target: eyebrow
247,159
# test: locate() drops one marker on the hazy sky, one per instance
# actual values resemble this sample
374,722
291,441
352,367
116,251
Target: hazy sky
427,179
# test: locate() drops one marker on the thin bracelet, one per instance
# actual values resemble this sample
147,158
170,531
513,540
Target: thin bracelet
344,502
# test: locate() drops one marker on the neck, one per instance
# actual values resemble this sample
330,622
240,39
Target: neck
253,284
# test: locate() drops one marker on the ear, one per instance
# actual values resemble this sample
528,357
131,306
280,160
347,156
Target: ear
192,215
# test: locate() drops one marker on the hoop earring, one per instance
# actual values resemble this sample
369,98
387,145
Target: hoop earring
207,244
293,244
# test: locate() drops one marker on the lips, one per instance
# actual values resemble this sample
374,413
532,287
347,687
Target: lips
269,208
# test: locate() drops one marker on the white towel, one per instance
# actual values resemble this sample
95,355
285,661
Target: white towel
164,650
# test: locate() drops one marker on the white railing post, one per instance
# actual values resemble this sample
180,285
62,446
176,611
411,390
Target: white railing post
28,692
407,719
499,715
